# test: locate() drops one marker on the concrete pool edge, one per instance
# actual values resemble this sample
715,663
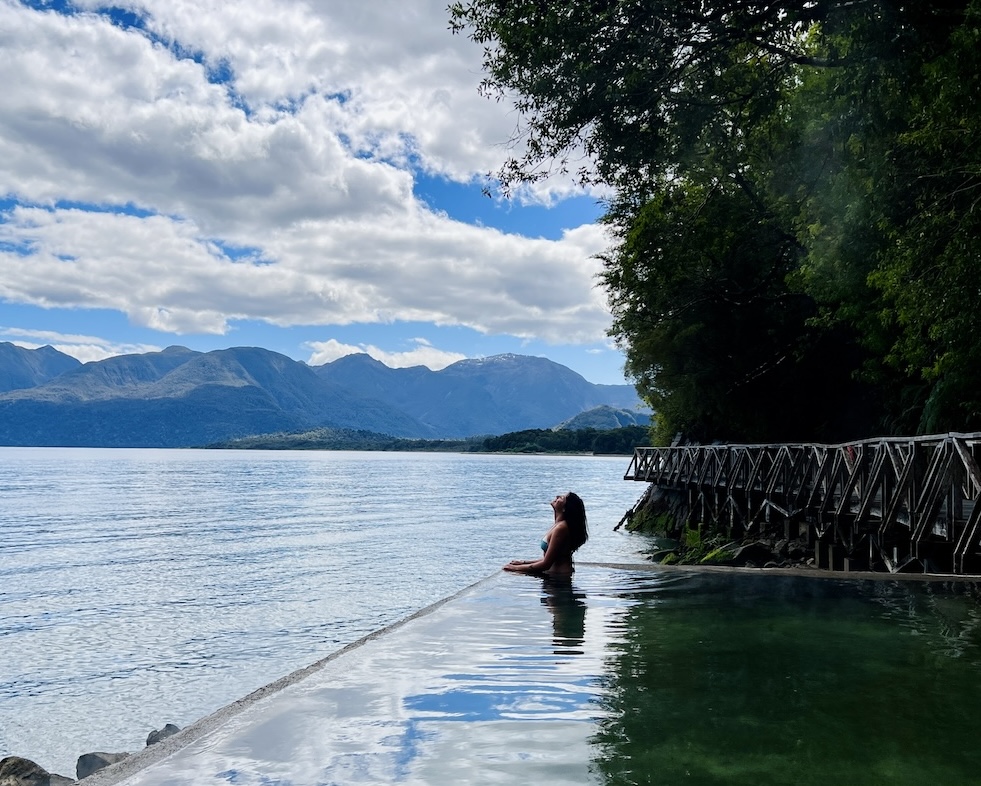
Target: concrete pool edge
152,754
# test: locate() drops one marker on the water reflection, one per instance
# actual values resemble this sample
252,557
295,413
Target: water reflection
947,613
750,680
568,606
678,678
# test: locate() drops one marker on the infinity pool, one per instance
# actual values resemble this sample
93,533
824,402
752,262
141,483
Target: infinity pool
621,676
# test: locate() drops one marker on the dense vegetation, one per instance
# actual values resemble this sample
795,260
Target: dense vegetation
795,196
589,440
613,441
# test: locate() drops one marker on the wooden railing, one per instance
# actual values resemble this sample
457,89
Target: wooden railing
898,504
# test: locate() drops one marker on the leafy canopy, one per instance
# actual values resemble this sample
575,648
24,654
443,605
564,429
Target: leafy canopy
794,199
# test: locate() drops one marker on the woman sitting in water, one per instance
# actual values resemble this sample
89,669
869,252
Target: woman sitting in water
567,534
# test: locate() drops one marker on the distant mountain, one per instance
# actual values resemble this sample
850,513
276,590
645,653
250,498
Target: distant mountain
495,395
27,368
605,418
181,398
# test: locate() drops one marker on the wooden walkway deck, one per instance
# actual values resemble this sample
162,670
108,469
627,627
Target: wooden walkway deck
895,504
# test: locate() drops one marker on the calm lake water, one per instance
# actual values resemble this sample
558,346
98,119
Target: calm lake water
141,587
145,587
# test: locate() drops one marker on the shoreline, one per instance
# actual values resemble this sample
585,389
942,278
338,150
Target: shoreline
802,572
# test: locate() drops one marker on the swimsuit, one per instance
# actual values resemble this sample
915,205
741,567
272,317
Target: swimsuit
544,545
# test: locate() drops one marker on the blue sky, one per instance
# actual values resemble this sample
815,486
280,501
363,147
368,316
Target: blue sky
305,177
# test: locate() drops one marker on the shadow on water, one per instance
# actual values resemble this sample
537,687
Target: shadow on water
567,603
729,679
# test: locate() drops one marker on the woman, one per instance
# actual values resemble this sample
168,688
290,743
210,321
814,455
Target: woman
567,534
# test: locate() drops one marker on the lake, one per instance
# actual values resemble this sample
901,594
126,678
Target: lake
144,587
141,587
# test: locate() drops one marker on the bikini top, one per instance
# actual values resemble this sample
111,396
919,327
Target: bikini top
544,545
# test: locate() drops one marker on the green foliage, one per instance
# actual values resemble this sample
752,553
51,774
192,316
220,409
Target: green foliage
343,439
795,193
651,523
638,87
719,343
703,546
679,543
929,273
718,555
620,441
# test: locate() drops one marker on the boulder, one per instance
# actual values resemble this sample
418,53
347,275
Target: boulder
752,555
662,555
93,762
15,771
161,734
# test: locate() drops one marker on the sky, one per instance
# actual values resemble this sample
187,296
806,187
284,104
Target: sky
301,176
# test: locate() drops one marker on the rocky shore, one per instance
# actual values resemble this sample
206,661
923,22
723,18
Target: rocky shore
18,771
663,513
759,553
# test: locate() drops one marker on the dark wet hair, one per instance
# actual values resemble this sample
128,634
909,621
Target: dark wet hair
574,514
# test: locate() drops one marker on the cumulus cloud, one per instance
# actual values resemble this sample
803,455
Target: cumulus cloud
163,274
256,160
80,347
422,354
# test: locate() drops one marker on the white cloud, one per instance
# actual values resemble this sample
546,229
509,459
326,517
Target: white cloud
423,354
304,156
331,350
80,347
162,274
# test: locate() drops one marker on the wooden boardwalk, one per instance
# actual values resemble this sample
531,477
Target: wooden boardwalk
892,504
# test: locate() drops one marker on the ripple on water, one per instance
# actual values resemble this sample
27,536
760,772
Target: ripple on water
161,585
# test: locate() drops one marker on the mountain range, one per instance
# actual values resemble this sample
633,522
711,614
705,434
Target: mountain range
182,398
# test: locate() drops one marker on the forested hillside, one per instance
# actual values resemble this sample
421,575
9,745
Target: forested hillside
618,441
795,199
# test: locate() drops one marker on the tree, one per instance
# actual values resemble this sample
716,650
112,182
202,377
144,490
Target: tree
794,192
929,272
698,284
622,89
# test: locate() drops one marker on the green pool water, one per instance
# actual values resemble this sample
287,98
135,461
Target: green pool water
736,679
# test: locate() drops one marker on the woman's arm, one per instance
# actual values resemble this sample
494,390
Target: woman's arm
556,542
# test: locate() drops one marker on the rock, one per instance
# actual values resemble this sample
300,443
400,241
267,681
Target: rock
15,771
662,554
61,780
752,555
161,734
93,762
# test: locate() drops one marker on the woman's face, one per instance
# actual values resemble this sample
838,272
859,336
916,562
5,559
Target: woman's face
558,504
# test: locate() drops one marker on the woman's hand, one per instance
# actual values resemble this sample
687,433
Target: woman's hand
522,566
